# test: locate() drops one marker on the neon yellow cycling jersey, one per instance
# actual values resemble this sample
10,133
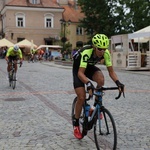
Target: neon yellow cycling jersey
10,52
85,57
32,51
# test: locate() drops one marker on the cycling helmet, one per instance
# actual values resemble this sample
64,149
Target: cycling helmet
100,41
16,48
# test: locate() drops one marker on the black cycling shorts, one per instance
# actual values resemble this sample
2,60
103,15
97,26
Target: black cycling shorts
12,58
89,72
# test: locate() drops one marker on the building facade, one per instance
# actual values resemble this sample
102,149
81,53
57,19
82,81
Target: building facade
39,20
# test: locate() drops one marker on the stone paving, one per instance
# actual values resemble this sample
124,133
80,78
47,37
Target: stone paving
36,115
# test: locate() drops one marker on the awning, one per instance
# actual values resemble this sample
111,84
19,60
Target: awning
142,35
50,46
26,43
4,42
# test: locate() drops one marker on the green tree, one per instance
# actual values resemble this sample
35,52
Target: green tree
98,18
114,16
138,14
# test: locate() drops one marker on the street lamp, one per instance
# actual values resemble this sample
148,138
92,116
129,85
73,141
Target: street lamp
63,25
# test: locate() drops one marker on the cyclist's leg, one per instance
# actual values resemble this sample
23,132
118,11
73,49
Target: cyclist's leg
15,59
32,57
80,91
9,65
95,74
98,77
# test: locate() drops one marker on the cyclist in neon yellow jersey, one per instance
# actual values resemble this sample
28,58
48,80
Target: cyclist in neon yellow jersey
13,54
32,54
85,71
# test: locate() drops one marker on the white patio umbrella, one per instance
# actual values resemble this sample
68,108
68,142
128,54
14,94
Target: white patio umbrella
4,42
26,43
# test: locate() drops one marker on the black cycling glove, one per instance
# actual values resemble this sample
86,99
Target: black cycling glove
120,85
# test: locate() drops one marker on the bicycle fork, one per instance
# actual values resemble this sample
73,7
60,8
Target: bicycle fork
101,112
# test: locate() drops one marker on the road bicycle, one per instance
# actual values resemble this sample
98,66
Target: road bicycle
100,119
31,58
12,75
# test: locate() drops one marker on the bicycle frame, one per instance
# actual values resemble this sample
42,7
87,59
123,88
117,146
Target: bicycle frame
96,110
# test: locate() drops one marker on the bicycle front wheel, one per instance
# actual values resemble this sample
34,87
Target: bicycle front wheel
10,80
14,80
105,133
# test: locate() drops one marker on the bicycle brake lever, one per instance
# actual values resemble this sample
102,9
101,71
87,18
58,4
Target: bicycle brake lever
118,96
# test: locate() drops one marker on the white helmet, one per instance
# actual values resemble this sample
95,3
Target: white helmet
16,48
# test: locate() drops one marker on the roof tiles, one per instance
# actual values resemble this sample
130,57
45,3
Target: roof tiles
70,12
44,3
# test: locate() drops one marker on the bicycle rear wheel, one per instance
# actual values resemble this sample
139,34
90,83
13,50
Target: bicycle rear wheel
81,119
13,80
105,133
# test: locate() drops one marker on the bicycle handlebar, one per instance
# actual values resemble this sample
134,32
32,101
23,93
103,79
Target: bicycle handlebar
109,88
17,63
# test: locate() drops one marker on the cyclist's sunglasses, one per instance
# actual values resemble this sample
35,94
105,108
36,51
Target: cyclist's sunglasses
100,49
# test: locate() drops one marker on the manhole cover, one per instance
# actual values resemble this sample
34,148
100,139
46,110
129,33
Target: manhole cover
15,99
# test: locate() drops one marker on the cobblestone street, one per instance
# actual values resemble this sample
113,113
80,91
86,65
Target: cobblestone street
36,115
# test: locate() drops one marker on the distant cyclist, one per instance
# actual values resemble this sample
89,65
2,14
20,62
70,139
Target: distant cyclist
32,55
84,70
13,54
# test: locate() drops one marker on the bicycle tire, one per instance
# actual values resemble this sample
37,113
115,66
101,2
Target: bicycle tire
81,119
13,80
10,81
106,135
10,78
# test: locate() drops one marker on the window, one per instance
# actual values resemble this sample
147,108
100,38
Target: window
20,20
49,21
79,31
34,2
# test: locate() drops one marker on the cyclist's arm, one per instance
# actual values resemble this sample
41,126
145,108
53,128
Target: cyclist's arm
6,58
7,54
20,55
112,73
108,63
